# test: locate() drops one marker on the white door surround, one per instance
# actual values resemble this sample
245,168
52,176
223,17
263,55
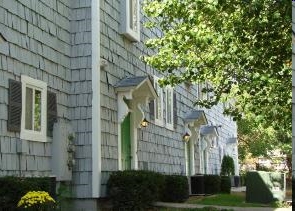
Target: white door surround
133,95
193,121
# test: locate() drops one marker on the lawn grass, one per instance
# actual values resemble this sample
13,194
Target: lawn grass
193,209
233,199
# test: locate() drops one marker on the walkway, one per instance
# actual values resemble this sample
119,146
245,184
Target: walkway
183,205
233,189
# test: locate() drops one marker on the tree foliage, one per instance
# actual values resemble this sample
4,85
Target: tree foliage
257,140
242,48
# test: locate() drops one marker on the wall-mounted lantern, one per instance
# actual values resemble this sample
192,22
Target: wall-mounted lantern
144,123
186,137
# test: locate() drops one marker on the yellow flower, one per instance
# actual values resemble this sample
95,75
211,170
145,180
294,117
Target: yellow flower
32,198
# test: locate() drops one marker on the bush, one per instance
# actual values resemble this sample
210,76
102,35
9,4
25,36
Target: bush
293,191
175,189
134,190
265,187
137,190
263,168
13,188
37,200
243,179
212,184
225,184
227,166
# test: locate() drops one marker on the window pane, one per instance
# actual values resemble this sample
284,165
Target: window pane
158,102
37,111
169,106
29,109
133,14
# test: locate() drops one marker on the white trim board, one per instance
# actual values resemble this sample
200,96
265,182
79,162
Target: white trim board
96,121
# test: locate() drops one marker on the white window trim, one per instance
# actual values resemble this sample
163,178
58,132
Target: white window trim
159,121
30,134
125,20
169,125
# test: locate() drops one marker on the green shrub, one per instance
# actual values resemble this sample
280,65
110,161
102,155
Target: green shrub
265,187
134,190
13,188
243,179
212,184
175,189
225,184
263,168
293,191
227,166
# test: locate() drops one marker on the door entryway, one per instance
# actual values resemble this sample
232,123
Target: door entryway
188,158
126,143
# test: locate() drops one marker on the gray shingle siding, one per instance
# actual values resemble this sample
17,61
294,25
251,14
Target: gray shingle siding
32,49
159,149
48,41
80,100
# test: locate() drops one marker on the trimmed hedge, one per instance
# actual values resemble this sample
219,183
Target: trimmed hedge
137,190
293,191
13,188
175,189
225,184
265,187
134,189
212,184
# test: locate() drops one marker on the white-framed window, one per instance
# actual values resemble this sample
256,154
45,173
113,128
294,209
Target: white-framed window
169,107
34,109
202,95
158,103
130,19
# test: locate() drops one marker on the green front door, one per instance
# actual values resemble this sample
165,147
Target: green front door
126,143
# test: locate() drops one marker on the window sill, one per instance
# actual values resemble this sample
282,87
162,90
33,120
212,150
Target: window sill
33,136
159,122
170,127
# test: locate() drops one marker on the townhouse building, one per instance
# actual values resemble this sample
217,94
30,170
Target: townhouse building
75,97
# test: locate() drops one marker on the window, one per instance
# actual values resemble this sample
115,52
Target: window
158,103
202,95
130,25
34,109
169,107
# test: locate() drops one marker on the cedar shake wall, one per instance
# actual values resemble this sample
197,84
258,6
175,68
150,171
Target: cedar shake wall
81,95
49,41
38,45
159,149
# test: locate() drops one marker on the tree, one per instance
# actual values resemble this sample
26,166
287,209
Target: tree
241,48
257,140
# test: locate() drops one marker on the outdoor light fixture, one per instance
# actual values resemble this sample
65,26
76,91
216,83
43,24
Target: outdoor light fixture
2,38
144,123
186,137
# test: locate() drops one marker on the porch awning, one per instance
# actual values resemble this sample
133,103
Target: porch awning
141,85
196,118
137,90
209,130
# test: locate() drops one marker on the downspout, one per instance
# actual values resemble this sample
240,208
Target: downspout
96,119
